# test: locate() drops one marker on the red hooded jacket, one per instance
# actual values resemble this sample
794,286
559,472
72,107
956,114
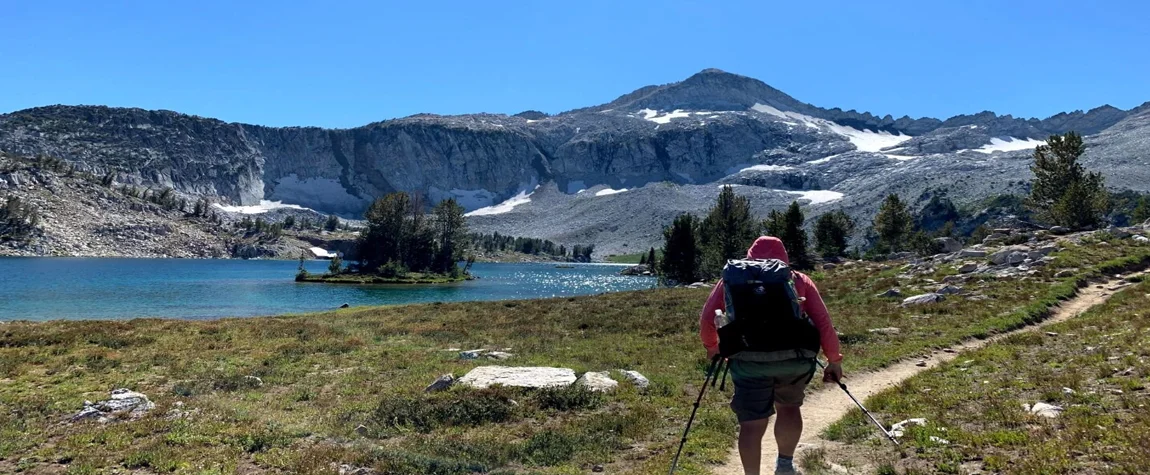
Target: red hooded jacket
768,247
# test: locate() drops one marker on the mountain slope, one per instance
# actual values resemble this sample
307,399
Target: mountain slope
670,146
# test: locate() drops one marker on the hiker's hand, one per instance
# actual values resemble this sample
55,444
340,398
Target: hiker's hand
833,373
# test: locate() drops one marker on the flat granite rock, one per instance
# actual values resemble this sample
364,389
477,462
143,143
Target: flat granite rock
523,377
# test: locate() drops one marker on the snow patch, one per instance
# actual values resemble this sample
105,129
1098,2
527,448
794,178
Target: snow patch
998,145
608,191
654,115
766,168
506,206
823,160
263,207
816,196
901,157
864,140
321,252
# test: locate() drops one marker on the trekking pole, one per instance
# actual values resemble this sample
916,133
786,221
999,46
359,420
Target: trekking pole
723,383
710,372
868,414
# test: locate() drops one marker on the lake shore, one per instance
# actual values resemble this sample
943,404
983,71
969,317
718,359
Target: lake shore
368,279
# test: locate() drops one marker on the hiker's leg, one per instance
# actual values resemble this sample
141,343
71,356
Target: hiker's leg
788,428
751,444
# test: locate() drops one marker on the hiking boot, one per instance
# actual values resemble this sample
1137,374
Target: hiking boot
788,471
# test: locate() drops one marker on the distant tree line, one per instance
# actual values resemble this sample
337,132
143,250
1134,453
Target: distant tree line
497,242
1062,193
503,243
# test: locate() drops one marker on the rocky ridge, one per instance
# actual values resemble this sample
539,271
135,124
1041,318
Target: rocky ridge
561,177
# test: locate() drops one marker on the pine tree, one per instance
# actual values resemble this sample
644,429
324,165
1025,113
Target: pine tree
652,259
893,224
833,232
643,259
795,237
727,231
681,253
775,224
335,266
451,235
1142,211
332,223
1063,192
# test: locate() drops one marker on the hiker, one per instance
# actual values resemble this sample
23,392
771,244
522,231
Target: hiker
772,381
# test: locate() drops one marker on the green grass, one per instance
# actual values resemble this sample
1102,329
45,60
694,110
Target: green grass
633,258
975,402
325,375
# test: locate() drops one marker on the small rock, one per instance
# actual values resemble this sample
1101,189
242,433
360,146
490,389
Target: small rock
1062,274
939,440
123,402
441,383
1059,230
345,305
597,468
1043,409
1141,238
1067,391
923,299
471,354
1051,334
361,429
949,290
899,427
967,268
1118,232
890,293
699,285
254,381
950,350
829,266
885,331
597,381
921,363
975,253
994,237
636,378
498,355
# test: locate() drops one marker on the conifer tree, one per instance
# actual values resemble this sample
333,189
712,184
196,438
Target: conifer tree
1063,192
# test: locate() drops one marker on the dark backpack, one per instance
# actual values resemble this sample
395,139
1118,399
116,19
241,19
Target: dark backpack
764,319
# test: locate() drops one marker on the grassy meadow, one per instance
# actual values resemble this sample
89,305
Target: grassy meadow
346,387
1095,366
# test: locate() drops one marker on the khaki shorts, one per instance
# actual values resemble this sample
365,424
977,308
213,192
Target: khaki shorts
760,386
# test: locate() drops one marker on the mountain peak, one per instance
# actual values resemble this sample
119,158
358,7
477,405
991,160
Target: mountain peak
709,89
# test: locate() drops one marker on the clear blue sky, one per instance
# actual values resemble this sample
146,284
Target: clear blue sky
344,64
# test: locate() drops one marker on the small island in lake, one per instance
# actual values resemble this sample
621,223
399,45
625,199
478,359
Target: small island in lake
403,245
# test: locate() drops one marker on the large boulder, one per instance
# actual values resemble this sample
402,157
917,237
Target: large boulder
597,381
1118,232
977,253
967,268
1009,255
523,377
923,299
1059,230
948,244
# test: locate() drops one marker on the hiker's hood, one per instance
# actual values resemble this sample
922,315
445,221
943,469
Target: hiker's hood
768,247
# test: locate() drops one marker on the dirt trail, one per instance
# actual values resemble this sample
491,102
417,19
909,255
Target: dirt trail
828,404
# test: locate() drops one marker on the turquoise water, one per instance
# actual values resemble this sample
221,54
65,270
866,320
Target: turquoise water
81,288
